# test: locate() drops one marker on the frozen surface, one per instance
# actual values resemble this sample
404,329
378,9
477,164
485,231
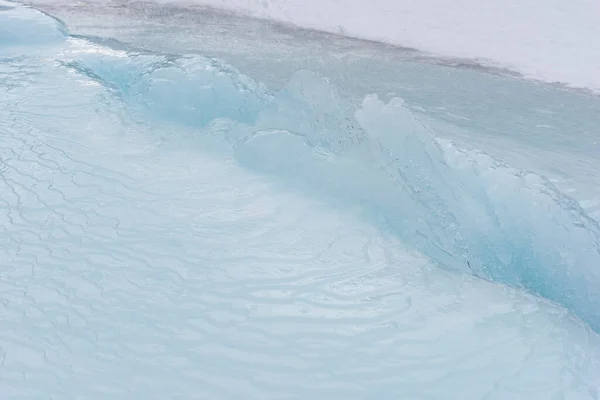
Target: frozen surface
173,228
553,132
551,40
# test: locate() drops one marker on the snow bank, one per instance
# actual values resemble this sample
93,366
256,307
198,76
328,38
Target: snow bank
550,40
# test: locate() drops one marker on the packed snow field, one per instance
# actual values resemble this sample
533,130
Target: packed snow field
550,40
175,228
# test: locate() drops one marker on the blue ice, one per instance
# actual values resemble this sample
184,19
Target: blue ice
172,228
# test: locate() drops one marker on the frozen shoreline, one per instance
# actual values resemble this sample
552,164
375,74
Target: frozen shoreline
542,40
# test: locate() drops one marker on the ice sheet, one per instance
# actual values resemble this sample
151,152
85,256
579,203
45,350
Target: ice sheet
171,228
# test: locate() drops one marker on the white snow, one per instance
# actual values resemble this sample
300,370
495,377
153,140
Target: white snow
549,40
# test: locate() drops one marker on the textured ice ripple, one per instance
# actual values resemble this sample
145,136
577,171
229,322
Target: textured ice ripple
136,264
202,281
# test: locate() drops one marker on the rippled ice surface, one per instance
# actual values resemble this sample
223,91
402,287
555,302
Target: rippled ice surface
174,229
